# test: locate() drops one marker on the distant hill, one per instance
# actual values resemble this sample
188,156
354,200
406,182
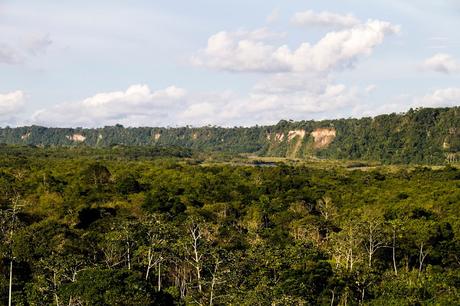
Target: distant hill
426,135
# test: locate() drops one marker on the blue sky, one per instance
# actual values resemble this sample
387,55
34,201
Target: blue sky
170,63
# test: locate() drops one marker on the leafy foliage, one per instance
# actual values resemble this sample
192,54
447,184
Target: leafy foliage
97,226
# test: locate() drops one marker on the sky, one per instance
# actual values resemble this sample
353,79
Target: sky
228,63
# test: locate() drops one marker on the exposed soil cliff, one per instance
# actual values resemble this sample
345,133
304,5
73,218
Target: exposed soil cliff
323,137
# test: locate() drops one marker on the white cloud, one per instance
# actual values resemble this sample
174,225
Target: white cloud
10,105
11,102
442,62
445,97
306,98
265,107
299,84
243,52
325,18
440,98
137,105
337,49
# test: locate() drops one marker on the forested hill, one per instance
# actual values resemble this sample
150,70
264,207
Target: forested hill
427,135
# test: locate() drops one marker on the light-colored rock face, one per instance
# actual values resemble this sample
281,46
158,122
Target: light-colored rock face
323,137
25,136
296,133
157,136
279,137
77,137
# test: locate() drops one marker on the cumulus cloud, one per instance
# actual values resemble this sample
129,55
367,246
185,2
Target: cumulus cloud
442,62
304,98
10,104
337,49
137,105
266,106
444,97
297,83
440,98
243,52
327,19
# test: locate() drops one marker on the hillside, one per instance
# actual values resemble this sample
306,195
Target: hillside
428,135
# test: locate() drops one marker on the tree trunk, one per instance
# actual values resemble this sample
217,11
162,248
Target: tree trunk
55,289
422,257
213,282
196,235
159,276
370,259
198,275
394,252
351,260
183,283
10,288
149,264
129,256
147,272
371,248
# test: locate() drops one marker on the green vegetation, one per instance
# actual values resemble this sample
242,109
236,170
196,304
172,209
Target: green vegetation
423,136
163,226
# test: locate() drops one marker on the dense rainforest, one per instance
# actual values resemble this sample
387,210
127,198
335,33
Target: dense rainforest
424,136
164,226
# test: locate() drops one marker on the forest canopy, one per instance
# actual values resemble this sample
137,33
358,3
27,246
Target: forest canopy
82,226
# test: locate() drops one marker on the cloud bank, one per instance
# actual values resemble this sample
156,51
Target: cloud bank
139,106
